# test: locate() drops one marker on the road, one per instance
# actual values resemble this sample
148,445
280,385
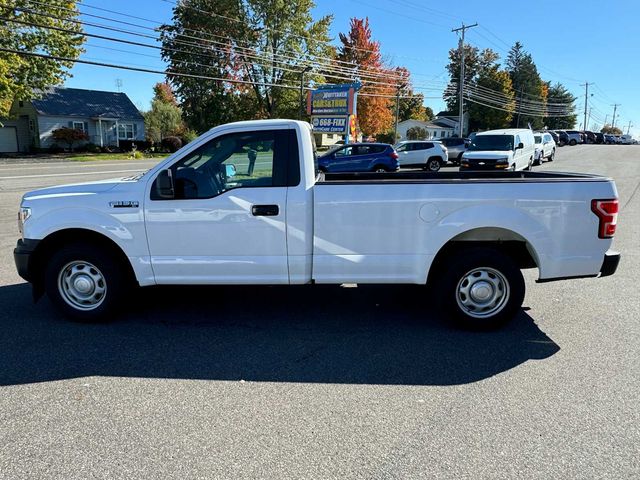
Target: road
329,382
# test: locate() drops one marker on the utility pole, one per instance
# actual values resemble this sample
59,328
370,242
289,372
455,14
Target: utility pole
462,29
589,115
605,119
395,130
586,104
305,70
613,119
629,127
519,106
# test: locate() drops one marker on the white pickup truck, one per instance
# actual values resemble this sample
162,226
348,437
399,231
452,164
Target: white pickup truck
245,204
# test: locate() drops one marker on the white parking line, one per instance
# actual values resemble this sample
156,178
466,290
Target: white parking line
72,174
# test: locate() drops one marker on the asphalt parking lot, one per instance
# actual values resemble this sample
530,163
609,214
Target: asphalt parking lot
323,382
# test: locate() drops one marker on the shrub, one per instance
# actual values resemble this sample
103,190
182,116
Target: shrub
417,133
69,136
171,144
137,154
188,136
55,148
386,137
92,148
129,145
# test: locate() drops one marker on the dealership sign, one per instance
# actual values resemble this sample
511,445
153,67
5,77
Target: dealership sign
332,107
328,124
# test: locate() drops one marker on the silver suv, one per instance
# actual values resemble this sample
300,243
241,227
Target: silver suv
456,146
574,137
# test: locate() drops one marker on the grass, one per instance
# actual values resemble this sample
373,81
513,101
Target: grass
90,157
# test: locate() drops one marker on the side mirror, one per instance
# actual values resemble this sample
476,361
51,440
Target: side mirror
520,145
164,185
230,170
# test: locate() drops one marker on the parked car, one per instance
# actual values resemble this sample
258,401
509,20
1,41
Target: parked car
600,138
510,149
574,137
609,139
545,147
456,146
193,219
359,157
555,137
590,137
626,139
421,154
563,138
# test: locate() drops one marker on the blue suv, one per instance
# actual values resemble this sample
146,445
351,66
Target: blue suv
359,157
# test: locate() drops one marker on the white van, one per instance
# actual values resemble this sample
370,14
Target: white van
508,149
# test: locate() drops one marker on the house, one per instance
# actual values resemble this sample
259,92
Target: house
106,117
451,119
434,129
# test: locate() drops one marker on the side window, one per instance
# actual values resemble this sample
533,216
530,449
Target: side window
344,152
362,150
378,148
517,142
235,160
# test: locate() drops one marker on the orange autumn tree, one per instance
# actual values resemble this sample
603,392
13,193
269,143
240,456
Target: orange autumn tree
374,112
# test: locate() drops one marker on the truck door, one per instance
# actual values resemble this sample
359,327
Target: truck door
225,220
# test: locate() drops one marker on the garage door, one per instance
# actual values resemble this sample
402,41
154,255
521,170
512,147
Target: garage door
8,140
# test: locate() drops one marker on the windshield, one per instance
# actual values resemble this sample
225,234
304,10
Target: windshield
537,138
492,142
332,150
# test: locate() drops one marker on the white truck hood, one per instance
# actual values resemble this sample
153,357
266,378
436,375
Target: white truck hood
487,155
77,189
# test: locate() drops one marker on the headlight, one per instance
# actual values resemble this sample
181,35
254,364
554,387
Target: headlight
23,215
502,160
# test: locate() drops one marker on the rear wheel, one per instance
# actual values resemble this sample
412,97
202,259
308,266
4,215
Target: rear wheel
572,142
433,164
481,288
84,282
380,169
552,156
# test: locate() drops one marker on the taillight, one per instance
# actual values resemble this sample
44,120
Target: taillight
394,155
607,213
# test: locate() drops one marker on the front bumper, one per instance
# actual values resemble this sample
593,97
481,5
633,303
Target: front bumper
610,263
23,257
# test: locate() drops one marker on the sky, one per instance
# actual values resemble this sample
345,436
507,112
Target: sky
571,42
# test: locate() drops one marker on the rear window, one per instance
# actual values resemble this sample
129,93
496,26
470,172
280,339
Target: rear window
422,146
378,148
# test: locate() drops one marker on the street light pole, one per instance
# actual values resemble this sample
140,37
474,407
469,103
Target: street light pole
305,70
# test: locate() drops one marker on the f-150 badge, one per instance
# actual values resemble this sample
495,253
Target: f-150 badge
124,204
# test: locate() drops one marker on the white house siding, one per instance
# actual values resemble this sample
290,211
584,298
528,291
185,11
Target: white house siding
434,131
47,124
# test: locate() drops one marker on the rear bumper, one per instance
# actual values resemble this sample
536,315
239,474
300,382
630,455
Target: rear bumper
609,267
610,263
23,256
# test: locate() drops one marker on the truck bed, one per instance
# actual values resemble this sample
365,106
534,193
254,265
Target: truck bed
455,177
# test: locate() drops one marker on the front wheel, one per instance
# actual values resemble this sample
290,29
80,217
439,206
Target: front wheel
379,169
572,143
84,282
552,156
481,288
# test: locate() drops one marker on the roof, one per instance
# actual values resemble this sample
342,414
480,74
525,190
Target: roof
504,131
76,102
426,124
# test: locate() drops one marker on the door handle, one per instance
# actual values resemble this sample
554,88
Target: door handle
265,210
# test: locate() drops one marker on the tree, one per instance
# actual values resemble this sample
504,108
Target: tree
69,136
482,117
163,92
609,130
474,62
411,103
264,43
417,133
529,88
21,76
559,95
375,98
162,120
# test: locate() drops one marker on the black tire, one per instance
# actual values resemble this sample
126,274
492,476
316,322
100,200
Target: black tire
573,142
433,164
451,277
80,258
552,156
459,160
380,169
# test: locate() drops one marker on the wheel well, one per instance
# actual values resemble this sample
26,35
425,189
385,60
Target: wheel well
56,240
502,240
435,157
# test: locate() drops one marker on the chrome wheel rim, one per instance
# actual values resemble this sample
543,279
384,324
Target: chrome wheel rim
482,292
380,170
82,285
